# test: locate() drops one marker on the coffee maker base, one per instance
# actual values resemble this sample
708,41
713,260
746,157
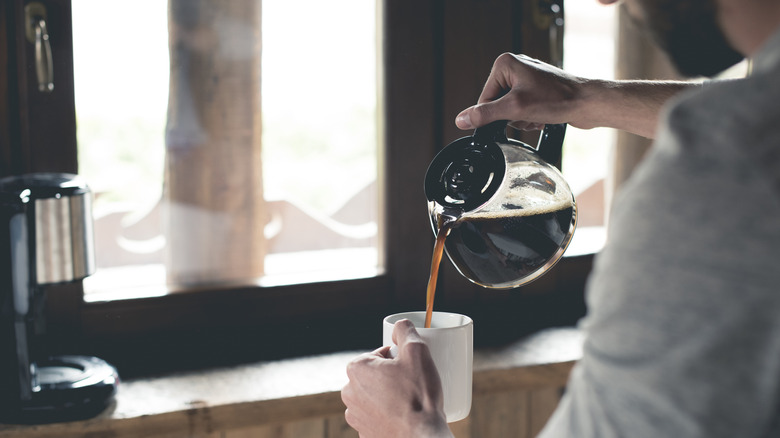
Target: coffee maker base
70,388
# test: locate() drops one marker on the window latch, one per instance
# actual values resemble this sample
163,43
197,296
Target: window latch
548,14
38,34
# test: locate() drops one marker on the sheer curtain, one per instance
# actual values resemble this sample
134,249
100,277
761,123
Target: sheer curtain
215,213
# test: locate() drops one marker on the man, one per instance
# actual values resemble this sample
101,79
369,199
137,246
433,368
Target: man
682,336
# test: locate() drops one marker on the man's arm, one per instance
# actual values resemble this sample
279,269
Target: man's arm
531,94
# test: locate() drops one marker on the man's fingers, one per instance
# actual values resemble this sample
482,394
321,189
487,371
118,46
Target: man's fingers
353,419
411,346
463,120
499,81
505,108
383,352
403,332
475,116
361,364
509,107
526,126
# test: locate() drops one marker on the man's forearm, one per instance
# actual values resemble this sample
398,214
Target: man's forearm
632,106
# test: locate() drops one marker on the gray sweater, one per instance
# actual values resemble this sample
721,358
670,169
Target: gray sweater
683,325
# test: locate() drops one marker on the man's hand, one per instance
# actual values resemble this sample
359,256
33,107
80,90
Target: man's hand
531,94
527,92
396,396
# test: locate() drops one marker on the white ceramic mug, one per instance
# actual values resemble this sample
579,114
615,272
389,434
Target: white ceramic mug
451,342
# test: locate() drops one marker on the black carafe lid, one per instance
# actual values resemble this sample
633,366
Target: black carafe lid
468,171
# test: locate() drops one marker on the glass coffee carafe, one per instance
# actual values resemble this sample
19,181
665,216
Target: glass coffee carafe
509,213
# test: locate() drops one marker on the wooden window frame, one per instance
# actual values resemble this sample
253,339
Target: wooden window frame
437,55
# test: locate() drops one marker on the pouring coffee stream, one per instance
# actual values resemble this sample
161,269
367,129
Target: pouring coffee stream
503,213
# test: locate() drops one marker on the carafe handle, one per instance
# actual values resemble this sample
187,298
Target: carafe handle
493,132
550,141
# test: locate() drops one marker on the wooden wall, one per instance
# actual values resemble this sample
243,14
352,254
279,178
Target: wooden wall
516,388
510,414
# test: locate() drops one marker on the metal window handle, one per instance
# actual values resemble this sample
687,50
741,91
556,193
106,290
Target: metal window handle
556,35
44,68
548,14
38,34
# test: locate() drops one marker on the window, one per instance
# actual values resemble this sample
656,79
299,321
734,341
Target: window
434,60
300,190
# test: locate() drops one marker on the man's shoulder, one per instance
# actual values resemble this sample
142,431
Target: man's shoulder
736,119
730,110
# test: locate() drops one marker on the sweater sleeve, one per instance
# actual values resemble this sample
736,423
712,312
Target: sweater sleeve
682,336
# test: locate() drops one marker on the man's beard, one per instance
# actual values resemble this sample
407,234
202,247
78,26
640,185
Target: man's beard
688,31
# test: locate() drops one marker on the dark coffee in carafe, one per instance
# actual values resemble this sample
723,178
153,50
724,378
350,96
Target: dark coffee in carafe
497,249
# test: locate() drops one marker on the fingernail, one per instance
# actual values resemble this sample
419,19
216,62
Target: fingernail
463,120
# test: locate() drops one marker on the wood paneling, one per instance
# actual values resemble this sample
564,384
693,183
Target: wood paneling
507,414
516,388
412,107
543,403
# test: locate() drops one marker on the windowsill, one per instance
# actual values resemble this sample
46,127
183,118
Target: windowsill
288,390
587,241
146,281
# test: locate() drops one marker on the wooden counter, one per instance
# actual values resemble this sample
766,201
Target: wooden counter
516,387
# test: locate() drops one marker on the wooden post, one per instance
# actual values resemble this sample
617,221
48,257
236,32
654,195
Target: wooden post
213,174
637,58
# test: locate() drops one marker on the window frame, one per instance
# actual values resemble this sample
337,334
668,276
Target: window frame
437,55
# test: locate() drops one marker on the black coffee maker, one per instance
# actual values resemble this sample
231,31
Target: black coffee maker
45,238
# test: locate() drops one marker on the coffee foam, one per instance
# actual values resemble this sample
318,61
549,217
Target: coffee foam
527,201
